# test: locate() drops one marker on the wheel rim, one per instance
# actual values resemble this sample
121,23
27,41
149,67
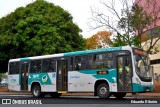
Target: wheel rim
103,90
36,92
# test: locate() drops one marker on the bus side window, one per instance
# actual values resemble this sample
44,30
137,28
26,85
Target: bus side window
45,67
11,65
14,67
36,66
52,66
48,65
71,64
78,63
87,62
97,61
101,61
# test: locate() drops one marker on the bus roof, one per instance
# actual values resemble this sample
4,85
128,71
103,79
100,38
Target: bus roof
36,57
92,51
72,53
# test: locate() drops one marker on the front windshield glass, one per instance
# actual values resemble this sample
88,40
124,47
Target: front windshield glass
142,65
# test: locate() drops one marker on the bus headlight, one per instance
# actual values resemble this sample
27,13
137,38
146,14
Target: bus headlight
138,81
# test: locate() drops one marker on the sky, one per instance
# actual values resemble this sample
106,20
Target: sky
79,9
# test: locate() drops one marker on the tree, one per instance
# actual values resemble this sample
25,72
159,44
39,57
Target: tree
118,24
2,76
131,22
99,40
145,20
40,28
121,40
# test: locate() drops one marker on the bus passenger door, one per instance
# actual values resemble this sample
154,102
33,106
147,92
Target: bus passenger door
62,75
124,74
24,75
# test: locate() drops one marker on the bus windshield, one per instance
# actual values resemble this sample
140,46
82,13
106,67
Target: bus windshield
142,65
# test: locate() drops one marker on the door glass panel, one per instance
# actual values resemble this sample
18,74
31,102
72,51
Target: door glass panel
120,73
124,73
64,75
59,66
128,73
24,76
62,70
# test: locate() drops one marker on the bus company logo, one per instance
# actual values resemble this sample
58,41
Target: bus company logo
74,77
54,75
6,101
13,80
35,76
44,78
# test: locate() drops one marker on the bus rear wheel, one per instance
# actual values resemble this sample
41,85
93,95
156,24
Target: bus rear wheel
119,95
55,95
36,91
103,91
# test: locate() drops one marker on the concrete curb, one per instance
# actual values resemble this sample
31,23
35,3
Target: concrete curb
8,93
139,95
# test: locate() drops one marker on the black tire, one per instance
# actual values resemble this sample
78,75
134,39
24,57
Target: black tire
103,91
36,92
119,95
55,95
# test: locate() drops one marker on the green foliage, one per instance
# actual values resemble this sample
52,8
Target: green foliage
139,19
2,76
122,40
39,28
134,22
119,40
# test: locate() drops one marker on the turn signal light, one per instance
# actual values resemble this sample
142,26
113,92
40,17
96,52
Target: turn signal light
102,72
138,81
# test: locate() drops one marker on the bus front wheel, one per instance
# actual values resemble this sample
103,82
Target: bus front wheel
103,91
119,95
36,91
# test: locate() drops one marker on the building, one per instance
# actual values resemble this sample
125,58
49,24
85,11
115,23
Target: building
152,7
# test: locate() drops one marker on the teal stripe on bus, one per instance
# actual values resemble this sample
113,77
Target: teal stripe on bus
111,76
42,78
20,80
24,59
141,88
92,51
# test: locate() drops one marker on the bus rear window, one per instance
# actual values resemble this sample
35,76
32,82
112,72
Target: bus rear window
14,67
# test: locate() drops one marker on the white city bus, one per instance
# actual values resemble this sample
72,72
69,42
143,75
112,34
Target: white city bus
108,71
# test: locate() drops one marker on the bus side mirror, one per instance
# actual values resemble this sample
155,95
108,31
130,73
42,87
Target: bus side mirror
152,71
